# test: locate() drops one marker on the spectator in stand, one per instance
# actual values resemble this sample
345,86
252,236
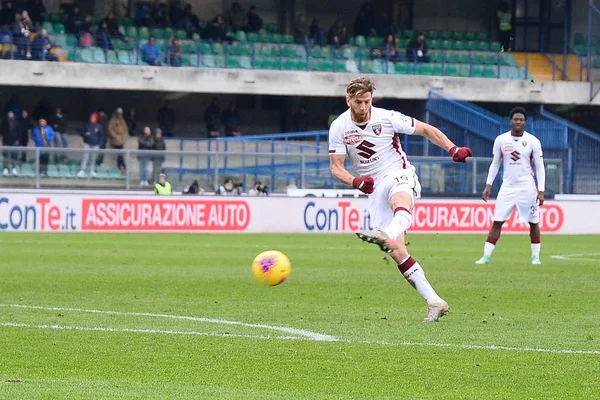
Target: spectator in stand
145,142
237,18
362,24
255,22
229,188
9,130
58,122
7,16
417,49
188,21
216,30
93,137
103,37
301,30
173,57
118,133
231,121
315,33
162,186
143,16
258,189
338,35
212,117
151,53
166,119
22,30
41,46
381,24
13,104
25,132
37,11
103,121
43,136
504,21
390,51
158,158
120,8
86,39
132,122
301,119
160,15
112,26
76,22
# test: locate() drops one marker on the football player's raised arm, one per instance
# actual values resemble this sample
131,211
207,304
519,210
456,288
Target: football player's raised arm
434,135
338,170
540,170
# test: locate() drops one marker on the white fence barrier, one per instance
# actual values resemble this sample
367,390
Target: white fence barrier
85,212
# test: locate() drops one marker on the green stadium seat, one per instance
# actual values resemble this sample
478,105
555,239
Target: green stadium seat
27,170
99,55
300,51
377,67
233,61
168,33
123,56
437,69
374,41
470,36
180,33
326,52
60,40
432,35
204,48
188,46
408,33
401,68
53,18
402,43
362,53
71,40
265,37
450,57
459,35
425,69
302,64
217,48
144,33
351,66
157,33
85,55
163,44
507,59
288,39
482,37
460,45
112,57
446,35
49,27
132,31
65,172
360,41
53,171
481,46
579,39
447,45
434,44
59,28
196,59
277,38
477,71
240,36
288,51
464,70
490,58
451,70
252,37
315,52
490,72
245,62
325,64
290,64
436,56
185,60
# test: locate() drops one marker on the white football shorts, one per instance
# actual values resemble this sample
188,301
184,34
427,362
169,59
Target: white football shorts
524,199
404,180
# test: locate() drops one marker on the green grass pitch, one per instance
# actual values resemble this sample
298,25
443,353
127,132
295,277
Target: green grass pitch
179,316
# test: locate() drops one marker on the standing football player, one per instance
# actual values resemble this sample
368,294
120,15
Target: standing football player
369,136
518,149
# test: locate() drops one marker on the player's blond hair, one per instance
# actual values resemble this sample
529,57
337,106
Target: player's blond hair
359,86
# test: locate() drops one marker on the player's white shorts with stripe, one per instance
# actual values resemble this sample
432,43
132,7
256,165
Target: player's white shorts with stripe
524,199
404,180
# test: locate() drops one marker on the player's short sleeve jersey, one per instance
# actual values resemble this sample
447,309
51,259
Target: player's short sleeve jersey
376,148
518,155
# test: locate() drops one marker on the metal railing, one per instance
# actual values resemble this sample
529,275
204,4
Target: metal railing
99,169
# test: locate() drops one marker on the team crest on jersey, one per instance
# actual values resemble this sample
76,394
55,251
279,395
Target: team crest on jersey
524,143
376,129
352,138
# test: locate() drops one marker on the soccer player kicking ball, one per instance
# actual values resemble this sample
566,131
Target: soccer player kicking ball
369,136
518,149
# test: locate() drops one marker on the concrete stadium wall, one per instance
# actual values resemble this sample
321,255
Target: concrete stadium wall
283,83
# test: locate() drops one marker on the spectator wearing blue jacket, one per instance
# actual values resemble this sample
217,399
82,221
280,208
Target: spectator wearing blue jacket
151,53
43,136
93,138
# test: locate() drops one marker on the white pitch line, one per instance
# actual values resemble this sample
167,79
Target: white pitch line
576,257
227,335
300,332
151,331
